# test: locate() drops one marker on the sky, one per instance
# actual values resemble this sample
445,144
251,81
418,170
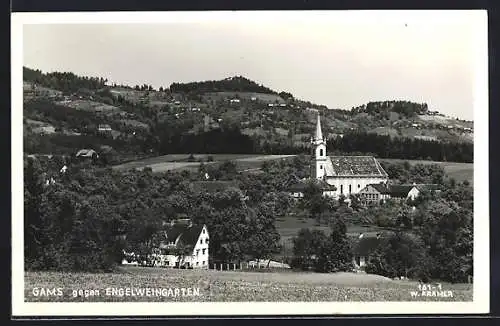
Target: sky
339,60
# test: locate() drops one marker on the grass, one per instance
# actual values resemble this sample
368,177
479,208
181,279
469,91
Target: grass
458,171
233,286
180,161
289,226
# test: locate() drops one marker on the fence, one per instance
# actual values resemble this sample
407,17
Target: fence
252,265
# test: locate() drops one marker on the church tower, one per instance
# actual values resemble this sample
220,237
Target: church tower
319,144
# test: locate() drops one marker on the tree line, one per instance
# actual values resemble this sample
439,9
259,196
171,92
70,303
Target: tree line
403,148
234,84
67,82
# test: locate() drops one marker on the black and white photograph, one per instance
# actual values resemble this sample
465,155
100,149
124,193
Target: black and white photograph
267,163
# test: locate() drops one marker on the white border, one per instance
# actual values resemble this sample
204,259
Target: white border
481,290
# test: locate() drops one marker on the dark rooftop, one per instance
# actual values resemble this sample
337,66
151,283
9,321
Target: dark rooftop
354,165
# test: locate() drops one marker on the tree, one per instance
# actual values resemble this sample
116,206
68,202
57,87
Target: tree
33,222
306,246
335,255
400,254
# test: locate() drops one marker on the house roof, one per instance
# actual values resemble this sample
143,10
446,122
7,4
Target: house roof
212,186
354,166
302,185
400,191
381,188
366,245
183,234
86,152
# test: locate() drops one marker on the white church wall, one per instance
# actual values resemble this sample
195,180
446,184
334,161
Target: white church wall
357,184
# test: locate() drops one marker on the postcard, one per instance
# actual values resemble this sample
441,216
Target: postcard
251,162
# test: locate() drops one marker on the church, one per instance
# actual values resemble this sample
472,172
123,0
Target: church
348,174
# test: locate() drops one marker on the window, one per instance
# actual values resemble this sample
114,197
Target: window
203,231
203,263
321,152
321,167
349,188
206,240
359,186
201,241
197,263
341,189
197,252
204,250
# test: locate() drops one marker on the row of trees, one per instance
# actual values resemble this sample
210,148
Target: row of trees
403,148
64,81
406,108
234,84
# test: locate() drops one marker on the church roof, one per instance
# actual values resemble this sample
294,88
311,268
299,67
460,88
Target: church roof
367,166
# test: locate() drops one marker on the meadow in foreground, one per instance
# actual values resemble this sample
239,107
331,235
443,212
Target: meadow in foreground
217,286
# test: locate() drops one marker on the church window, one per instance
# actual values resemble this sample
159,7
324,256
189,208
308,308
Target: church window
341,189
321,152
349,188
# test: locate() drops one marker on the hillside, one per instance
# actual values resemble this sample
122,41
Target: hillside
183,118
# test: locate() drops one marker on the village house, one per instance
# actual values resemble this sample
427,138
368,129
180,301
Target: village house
87,154
297,189
379,193
374,194
104,128
363,248
183,245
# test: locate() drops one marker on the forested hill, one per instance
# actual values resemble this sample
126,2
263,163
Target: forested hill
63,81
63,112
231,84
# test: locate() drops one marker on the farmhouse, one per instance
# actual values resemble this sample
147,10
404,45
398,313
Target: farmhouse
403,191
349,174
104,128
364,247
297,189
374,194
377,193
183,245
87,154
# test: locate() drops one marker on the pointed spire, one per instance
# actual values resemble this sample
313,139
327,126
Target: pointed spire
319,134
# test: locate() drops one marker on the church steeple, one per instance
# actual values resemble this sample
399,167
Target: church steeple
320,151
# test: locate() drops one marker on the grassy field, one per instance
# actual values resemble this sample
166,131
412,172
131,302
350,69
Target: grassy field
459,171
219,286
288,226
180,161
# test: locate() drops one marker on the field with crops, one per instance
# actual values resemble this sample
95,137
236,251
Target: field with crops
219,286
181,161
